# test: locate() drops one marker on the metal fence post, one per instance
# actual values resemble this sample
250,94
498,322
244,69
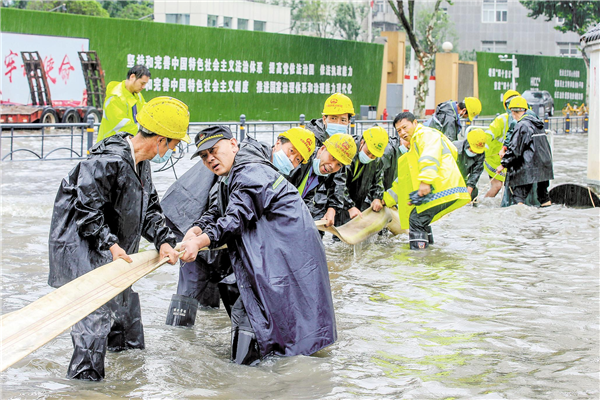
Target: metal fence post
90,132
302,120
585,122
242,127
352,125
568,123
546,121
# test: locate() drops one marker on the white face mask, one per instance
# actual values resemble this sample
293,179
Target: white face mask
470,153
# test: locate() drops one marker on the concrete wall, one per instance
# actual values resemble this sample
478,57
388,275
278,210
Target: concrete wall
277,18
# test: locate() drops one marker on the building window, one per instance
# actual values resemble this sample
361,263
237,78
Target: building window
260,26
379,7
492,46
242,24
212,20
568,49
494,11
560,20
227,22
183,19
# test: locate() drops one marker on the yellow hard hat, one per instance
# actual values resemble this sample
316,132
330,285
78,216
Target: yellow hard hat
477,139
473,107
342,147
518,102
167,117
303,141
509,93
338,104
376,139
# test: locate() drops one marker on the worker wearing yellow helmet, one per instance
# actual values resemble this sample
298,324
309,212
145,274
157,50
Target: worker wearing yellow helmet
528,159
124,100
496,135
364,180
318,180
428,178
470,158
292,148
275,251
103,208
447,116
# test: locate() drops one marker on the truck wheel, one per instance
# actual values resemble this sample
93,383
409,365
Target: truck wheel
49,116
71,116
97,115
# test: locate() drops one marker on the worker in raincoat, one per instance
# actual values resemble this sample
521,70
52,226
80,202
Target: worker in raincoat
335,118
123,102
497,133
102,209
389,160
365,174
285,306
317,179
427,175
528,157
470,159
190,196
447,116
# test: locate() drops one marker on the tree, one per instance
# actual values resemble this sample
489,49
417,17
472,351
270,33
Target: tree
348,18
81,7
128,9
424,53
578,16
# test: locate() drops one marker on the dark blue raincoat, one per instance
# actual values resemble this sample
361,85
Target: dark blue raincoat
277,256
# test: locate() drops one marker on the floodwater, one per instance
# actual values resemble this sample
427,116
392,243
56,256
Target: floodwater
505,305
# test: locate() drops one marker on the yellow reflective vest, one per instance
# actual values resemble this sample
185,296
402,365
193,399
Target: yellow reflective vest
497,132
120,110
432,160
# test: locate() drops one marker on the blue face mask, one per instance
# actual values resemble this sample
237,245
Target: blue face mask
332,129
470,153
158,159
365,159
403,149
315,165
282,163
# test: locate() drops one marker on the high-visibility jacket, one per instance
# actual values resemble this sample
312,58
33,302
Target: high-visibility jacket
497,132
432,160
120,110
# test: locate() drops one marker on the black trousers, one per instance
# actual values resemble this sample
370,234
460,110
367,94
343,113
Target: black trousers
419,222
521,192
115,326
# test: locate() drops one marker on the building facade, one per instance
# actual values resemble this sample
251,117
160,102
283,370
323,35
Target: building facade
496,26
232,14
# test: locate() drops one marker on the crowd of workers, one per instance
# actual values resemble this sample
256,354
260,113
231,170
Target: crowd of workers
261,201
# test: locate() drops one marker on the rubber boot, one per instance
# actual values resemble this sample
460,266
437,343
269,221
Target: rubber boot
229,292
182,311
429,235
244,346
127,331
418,240
89,346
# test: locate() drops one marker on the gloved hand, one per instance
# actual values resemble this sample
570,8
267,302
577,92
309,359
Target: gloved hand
417,200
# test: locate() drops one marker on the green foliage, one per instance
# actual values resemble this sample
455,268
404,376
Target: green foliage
128,9
348,19
443,29
81,7
578,15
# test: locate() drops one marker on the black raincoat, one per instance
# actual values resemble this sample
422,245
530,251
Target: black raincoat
364,184
389,161
528,157
470,167
101,202
331,190
446,120
183,203
277,256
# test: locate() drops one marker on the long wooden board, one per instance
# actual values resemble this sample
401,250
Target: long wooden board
27,329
